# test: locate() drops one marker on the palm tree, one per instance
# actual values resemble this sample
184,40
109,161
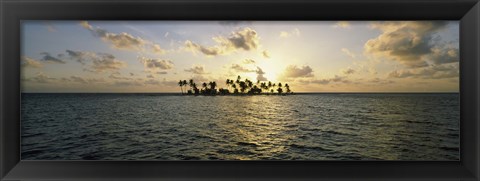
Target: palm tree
250,84
279,90
287,87
190,82
263,86
234,86
212,87
243,86
180,83
228,83
238,79
185,84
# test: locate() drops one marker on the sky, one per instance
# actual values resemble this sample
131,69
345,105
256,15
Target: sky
311,56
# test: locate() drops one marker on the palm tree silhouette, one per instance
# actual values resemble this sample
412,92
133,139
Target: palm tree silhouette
180,83
212,87
185,84
190,83
234,86
238,86
238,79
228,84
243,86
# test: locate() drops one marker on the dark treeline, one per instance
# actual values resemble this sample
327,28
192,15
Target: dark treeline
234,87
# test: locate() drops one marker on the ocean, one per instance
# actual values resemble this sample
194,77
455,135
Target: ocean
81,126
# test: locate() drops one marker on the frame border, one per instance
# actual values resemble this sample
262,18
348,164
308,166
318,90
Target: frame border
13,11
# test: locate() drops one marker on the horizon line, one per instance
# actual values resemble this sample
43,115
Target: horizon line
232,94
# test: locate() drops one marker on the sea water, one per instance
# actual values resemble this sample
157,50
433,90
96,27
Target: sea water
262,127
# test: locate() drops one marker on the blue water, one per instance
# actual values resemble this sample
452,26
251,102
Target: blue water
295,127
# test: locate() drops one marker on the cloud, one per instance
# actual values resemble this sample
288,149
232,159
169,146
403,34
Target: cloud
348,71
293,71
150,76
199,78
342,24
444,55
411,43
117,76
431,72
348,52
286,34
266,54
107,62
28,62
79,56
42,78
152,82
260,74
156,64
249,61
209,51
245,39
239,68
122,41
49,58
80,80
157,49
162,73
380,81
197,69
96,62
335,79
128,83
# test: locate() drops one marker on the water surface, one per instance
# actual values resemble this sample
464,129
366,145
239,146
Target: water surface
296,127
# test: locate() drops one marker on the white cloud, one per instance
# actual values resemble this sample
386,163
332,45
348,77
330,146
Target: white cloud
155,64
28,62
293,71
348,71
245,39
197,69
122,41
286,34
342,24
348,53
265,54
96,62
411,43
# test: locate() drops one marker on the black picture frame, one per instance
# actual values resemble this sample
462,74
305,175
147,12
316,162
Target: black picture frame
14,11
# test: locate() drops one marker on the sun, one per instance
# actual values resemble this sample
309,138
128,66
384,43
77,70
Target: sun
272,69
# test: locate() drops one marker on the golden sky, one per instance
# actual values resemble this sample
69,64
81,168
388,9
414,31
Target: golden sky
313,56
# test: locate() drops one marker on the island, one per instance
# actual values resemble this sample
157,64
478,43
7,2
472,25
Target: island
235,87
